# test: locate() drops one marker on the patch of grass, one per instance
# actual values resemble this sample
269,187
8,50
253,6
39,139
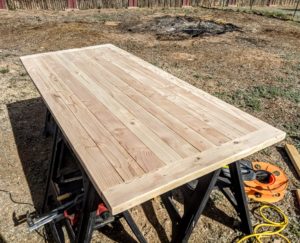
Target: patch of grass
294,227
270,13
296,141
269,92
247,101
282,80
23,74
4,70
197,76
253,97
273,14
267,12
267,151
293,130
242,99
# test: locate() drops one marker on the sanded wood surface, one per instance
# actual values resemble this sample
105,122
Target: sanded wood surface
294,156
137,130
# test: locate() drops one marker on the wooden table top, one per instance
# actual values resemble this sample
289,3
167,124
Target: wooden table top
137,130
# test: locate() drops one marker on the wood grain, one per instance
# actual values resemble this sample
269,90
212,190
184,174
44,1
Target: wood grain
188,169
152,141
124,164
137,130
294,156
135,147
189,89
160,129
164,101
157,81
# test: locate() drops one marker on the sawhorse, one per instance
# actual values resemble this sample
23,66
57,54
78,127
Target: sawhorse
196,195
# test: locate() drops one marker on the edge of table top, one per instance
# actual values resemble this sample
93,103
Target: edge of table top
203,163
66,50
176,174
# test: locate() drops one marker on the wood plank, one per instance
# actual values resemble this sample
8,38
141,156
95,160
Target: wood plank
197,140
294,156
122,196
200,125
123,163
83,146
168,78
111,84
156,78
187,100
152,141
143,155
168,94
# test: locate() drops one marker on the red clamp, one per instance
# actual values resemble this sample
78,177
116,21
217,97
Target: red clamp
73,218
101,209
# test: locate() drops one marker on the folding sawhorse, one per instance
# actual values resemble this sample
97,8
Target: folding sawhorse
195,194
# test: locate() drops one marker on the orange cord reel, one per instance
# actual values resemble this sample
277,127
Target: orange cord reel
269,185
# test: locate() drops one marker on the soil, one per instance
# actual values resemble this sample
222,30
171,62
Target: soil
256,68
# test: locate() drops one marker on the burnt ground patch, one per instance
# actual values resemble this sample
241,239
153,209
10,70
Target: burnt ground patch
182,27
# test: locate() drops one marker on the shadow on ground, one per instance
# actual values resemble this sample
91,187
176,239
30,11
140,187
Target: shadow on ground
211,211
2,239
27,119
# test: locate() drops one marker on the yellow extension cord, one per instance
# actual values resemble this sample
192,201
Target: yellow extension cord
269,223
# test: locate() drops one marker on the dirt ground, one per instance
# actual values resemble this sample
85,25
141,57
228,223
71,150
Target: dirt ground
256,68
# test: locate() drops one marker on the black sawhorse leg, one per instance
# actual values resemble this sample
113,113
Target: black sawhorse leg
196,195
237,188
49,125
134,227
88,214
194,204
53,159
88,220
